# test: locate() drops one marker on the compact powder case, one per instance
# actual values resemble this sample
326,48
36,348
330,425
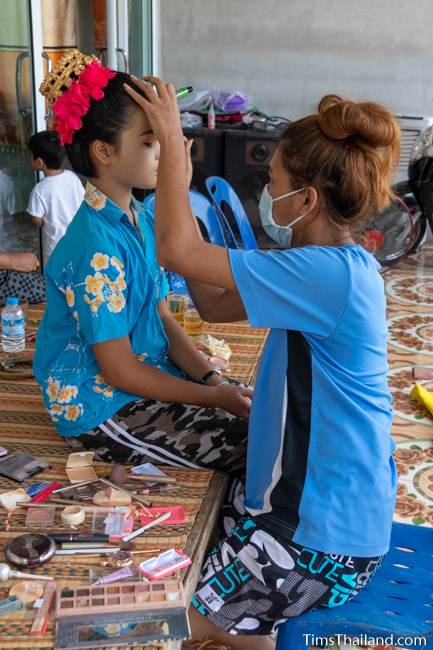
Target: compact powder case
31,550
79,466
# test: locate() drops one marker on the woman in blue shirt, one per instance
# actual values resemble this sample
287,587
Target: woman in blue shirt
111,361
315,519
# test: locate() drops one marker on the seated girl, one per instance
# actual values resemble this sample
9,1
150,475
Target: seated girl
111,361
315,520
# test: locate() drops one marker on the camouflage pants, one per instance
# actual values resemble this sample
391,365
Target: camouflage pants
180,435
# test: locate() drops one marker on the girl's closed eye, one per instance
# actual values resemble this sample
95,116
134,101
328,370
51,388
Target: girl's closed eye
150,143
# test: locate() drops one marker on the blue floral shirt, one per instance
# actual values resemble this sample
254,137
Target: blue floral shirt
103,282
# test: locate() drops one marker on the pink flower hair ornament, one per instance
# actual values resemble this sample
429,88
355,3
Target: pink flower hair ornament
74,103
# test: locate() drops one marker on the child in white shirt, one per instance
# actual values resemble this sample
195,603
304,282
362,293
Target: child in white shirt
56,198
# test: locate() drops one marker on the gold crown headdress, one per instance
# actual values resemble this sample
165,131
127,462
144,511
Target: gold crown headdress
70,87
64,72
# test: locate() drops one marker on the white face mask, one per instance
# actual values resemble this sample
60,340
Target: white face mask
280,234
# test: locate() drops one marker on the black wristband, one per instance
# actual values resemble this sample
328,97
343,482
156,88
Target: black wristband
208,374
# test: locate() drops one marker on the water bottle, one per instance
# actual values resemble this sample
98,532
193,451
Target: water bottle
13,330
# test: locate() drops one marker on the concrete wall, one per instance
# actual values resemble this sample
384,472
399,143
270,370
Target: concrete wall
288,53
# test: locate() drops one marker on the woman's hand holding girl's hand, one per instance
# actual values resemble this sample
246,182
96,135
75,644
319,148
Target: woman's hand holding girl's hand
234,399
161,107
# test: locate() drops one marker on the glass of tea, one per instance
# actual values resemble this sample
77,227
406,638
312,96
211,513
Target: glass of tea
177,303
192,321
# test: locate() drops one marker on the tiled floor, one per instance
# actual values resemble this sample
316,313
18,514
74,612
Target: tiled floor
409,289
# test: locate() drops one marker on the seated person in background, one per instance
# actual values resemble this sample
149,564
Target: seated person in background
55,199
18,278
17,232
17,269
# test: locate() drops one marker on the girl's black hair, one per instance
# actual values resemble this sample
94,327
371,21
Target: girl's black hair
104,121
46,145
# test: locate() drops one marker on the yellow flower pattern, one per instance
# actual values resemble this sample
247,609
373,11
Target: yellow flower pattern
106,392
116,303
99,261
66,394
70,297
94,197
53,389
72,412
94,283
102,388
117,263
60,395
100,287
95,303
120,283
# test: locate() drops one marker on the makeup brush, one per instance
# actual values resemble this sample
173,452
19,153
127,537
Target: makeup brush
6,572
119,475
102,550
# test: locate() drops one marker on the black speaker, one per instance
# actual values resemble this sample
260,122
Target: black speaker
247,156
207,154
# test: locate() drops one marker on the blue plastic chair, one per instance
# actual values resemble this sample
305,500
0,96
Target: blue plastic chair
205,213
222,192
397,601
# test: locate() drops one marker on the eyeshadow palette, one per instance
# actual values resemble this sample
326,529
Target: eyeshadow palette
19,466
121,615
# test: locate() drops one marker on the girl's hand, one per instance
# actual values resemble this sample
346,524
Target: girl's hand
161,107
234,399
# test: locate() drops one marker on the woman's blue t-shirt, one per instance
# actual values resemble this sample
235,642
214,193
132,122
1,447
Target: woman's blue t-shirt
103,282
320,469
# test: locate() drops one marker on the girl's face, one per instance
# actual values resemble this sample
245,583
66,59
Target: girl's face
136,156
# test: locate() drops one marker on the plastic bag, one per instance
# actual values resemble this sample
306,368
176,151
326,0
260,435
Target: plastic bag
225,101
232,101
195,101
217,347
190,120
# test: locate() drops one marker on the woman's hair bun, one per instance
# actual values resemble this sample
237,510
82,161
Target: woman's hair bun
367,122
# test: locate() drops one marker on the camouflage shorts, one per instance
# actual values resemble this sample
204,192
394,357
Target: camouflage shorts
180,435
253,580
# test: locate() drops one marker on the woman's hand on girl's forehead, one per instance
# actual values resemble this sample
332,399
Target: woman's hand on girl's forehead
161,107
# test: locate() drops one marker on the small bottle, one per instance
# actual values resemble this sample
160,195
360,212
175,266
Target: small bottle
13,328
211,117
